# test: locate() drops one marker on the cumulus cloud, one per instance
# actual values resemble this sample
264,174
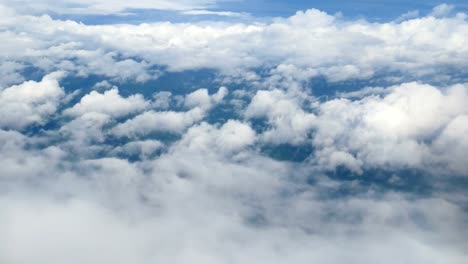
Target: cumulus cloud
404,128
198,102
104,185
110,102
289,123
232,136
201,98
415,47
163,208
213,186
162,100
85,134
152,121
143,149
30,102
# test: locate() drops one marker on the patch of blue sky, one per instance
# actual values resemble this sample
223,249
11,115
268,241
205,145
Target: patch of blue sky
242,10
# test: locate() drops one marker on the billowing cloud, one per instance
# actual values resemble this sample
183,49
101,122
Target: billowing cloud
313,42
187,174
198,102
30,102
152,121
289,122
405,128
184,207
109,102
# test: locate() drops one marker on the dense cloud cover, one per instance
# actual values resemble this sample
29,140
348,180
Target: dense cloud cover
116,169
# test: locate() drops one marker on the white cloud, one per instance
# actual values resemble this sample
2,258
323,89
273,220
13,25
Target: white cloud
110,102
30,102
415,47
289,122
103,85
451,146
86,133
442,10
201,98
143,149
206,198
10,73
230,137
152,121
211,194
198,102
162,100
409,127
216,13
408,15
206,208
103,7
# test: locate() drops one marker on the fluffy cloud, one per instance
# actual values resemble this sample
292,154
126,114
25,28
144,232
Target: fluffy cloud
213,186
198,102
230,137
102,184
416,47
110,102
152,121
183,207
412,126
289,122
142,149
30,102
85,134
201,98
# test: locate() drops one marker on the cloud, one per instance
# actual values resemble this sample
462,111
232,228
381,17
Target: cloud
213,186
198,102
451,145
162,209
151,121
408,15
104,7
11,73
30,102
162,100
143,149
110,102
289,123
404,128
100,181
417,47
232,136
442,10
201,98
86,134
216,13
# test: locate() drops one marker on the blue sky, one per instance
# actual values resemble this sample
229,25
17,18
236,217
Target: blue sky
375,10
383,10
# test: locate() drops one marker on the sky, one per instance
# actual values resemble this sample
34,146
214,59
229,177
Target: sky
206,131
379,11
376,10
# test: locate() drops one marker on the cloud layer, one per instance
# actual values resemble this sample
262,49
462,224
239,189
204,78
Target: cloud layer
310,43
97,172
